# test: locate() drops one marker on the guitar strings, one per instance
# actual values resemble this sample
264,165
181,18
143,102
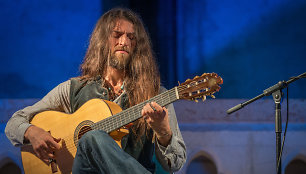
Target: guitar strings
109,122
110,125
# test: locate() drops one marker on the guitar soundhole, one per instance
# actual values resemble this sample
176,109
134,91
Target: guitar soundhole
81,129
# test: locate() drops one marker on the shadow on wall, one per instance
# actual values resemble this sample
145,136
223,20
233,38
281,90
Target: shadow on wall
10,168
296,166
274,50
202,163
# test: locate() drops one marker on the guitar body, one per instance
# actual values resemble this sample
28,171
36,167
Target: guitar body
70,128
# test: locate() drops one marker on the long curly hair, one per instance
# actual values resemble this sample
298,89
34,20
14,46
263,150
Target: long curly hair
142,75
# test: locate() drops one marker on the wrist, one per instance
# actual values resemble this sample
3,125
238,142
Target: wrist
164,138
164,134
28,132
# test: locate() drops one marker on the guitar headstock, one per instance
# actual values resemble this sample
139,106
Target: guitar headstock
200,86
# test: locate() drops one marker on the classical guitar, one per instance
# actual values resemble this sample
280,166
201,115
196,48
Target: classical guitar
107,116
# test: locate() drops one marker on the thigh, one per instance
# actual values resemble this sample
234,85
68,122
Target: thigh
98,153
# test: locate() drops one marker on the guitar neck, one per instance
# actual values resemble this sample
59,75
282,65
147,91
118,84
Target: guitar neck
133,113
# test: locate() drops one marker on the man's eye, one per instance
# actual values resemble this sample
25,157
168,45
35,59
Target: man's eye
116,35
131,37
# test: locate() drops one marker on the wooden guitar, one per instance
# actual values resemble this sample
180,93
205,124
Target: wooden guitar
107,116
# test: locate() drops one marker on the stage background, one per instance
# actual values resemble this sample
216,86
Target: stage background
251,44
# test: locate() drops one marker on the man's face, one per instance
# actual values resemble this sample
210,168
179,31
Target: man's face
122,43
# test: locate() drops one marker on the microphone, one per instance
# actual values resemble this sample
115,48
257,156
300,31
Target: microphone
235,108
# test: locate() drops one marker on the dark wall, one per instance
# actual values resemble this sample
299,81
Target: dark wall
42,43
251,44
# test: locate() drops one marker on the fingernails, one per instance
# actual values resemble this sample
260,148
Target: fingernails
152,107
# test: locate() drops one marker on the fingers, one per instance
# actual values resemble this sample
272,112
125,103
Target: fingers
147,110
152,109
156,107
44,145
154,114
50,146
44,152
57,139
49,143
54,143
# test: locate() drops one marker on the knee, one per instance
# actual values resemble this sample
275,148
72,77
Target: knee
92,138
93,134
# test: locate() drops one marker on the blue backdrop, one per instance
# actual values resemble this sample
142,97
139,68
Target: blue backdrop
251,44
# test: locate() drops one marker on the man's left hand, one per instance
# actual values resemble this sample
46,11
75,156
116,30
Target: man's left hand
157,118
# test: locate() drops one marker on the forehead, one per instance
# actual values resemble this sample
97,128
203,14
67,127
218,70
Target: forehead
124,26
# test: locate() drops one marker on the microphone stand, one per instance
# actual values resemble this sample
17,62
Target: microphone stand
276,91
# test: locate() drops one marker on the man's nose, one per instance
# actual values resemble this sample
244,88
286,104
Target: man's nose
124,40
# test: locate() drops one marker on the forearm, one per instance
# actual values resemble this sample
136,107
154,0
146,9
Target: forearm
16,127
20,122
164,139
172,156
57,99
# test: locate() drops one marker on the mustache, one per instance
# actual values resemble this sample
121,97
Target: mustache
120,48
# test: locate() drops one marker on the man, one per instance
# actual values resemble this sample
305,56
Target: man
119,66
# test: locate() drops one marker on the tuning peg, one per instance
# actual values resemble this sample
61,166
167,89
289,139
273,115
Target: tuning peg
179,83
196,77
196,100
187,80
204,98
212,96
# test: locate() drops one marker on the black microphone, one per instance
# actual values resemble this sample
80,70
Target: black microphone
235,108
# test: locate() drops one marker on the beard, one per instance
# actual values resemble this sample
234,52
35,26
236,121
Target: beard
119,61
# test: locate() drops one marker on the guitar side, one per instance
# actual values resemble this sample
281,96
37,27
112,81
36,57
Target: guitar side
64,126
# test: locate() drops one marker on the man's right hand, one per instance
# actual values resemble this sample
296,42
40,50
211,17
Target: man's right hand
44,145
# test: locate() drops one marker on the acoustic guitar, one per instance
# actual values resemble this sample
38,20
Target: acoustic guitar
103,115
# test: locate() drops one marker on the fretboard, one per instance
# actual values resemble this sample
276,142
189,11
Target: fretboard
133,113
